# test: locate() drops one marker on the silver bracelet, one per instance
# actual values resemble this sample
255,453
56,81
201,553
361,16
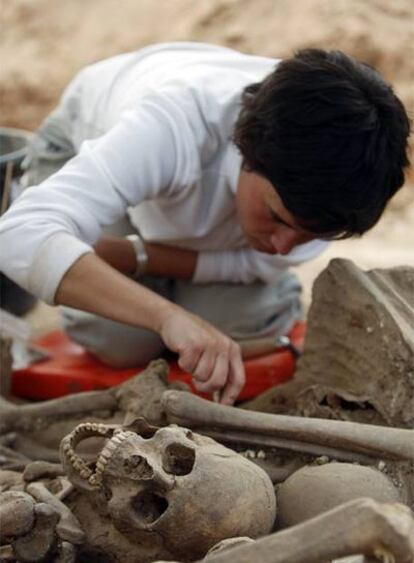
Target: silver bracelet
140,255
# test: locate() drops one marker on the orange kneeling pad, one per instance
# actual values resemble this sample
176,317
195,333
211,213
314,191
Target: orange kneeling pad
71,369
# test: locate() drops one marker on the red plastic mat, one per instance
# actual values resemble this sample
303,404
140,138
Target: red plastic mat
71,369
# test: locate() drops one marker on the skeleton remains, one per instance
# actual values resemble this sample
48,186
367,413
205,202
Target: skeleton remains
228,484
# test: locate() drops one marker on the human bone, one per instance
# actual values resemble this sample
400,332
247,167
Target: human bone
40,543
295,433
68,527
384,532
11,480
36,429
106,482
42,469
167,492
16,514
315,489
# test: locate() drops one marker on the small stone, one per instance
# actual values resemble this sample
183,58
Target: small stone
381,465
261,454
322,460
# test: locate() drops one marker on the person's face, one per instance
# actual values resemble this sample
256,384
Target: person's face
267,224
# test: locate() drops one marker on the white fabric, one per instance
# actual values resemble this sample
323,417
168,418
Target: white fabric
153,131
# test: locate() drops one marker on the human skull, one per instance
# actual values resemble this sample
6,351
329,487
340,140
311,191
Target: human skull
173,487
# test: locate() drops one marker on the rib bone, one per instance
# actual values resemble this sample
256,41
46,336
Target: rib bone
379,442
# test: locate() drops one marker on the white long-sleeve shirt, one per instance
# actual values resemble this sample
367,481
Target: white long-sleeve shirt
153,134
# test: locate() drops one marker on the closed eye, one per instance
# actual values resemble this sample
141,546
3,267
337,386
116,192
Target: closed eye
277,219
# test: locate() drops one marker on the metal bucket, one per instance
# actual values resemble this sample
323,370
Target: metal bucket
14,147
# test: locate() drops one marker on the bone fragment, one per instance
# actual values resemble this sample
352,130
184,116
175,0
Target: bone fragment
67,553
40,543
16,514
68,527
7,439
366,527
66,490
33,450
380,442
6,553
42,469
9,457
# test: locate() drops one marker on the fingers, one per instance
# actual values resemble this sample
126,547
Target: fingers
227,375
235,382
212,358
216,379
205,367
189,358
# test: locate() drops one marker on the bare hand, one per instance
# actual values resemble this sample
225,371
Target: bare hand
212,358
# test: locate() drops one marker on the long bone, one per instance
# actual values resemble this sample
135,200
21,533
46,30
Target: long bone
138,396
379,442
26,417
362,526
260,440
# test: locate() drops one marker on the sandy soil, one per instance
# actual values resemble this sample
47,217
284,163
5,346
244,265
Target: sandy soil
45,42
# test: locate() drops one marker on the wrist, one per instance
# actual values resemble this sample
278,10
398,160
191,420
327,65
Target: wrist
163,311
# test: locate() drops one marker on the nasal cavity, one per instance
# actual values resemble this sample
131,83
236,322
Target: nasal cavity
178,459
149,507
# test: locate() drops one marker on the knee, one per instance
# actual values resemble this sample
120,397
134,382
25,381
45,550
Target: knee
115,344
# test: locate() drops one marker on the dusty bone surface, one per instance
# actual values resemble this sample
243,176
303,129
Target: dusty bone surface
150,493
36,429
314,489
303,440
358,361
164,494
379,532
291,432
295,445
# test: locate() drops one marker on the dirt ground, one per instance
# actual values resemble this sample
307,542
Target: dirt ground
44,42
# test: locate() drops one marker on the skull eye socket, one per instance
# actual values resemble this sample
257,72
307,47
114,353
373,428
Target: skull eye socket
148,507
178,459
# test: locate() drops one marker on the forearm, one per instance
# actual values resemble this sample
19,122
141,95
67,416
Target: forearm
92,285
163,260
213,359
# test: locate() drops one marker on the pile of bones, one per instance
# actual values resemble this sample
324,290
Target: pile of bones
148,472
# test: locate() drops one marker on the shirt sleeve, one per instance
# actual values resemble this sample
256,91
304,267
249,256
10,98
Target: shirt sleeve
146,155
248,266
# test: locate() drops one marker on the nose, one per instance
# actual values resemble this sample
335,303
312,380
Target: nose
284,240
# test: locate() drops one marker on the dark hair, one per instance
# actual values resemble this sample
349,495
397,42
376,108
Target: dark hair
330,135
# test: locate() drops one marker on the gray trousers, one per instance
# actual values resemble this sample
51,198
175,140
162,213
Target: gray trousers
240,311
